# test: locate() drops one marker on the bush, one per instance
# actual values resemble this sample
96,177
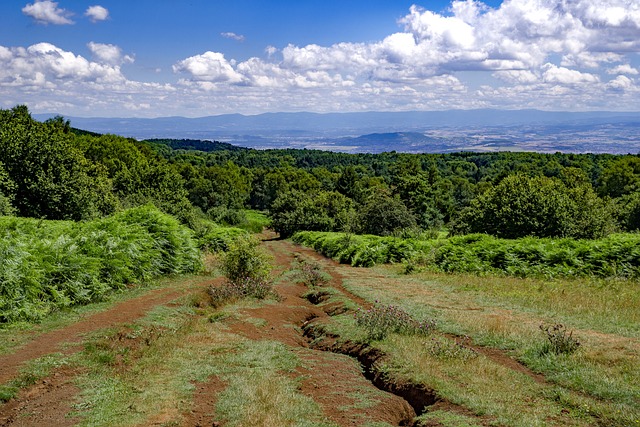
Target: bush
559,340
213,237
247,271
243,260
617,255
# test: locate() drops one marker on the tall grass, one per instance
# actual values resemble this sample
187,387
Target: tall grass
616,256
47,265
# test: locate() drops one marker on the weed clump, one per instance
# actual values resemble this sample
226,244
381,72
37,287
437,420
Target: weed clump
380,320
559,340
443,348
240,289
311,274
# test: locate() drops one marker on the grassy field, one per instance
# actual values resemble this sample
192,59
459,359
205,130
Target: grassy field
487,326
482,357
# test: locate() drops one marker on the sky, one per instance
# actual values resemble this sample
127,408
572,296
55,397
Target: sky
157,58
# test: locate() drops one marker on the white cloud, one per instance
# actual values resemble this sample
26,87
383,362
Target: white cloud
549,54
621,83
233,36
209,67
620,69
108,53
565,76
97,13
47,12
44,64
517,76
270,50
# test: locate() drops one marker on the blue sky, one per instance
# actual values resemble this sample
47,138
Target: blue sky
195,58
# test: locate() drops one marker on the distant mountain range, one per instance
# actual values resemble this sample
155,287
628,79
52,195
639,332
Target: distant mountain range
415,131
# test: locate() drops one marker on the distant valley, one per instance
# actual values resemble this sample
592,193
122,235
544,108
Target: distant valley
413,132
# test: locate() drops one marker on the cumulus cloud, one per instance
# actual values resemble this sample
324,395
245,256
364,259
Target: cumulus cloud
536,54
97,13
515,41
233,36
623,69
44,64
555,74
47,12
209,67
621,83
108,53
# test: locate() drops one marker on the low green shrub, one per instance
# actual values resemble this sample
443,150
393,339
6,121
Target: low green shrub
216,238
244,259
615,256
47,265
247,270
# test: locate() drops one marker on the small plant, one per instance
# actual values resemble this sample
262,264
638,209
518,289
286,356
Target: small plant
444,348
559,340
233,291
380,320
311,274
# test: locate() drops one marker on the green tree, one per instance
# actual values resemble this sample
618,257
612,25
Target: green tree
323,211
620,177
52,177
382,214
536,206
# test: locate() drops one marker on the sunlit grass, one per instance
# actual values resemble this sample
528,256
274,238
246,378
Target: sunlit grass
602,375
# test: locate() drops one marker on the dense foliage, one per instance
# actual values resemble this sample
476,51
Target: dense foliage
617,255
505,194
50,170
47,265
537,206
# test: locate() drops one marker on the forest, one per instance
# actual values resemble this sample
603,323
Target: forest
51,170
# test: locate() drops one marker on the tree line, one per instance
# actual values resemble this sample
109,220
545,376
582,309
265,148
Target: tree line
51,170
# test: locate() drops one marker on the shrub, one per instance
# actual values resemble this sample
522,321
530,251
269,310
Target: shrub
213,237
243,260
380,320
617,255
